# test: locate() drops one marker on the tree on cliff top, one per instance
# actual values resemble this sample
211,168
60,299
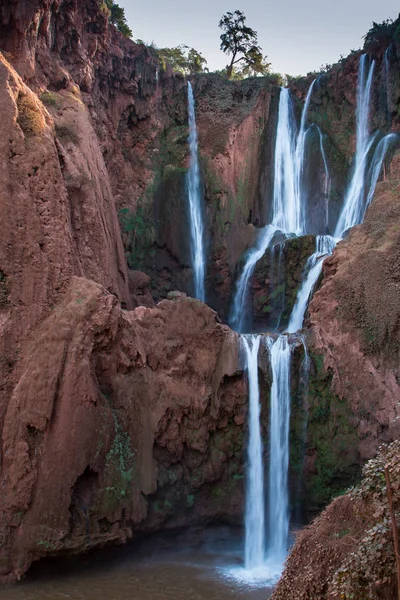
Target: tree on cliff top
241,42
117,17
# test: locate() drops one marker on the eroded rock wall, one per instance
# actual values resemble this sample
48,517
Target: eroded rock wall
119,421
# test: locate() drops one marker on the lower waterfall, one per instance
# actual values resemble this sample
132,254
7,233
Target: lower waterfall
254,519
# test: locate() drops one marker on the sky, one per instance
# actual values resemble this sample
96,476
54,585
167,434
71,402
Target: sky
297,36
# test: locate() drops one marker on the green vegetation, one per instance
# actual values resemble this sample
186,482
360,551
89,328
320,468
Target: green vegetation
182,59
382,34
116,16
49,98
333,430
240,42
139,230
119,469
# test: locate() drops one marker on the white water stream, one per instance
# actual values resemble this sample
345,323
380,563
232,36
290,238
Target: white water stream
288,213
264,557
195,204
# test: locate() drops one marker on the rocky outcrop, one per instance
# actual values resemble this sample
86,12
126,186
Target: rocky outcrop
347,552
119,421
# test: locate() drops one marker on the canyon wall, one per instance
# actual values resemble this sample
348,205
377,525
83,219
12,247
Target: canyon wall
118,415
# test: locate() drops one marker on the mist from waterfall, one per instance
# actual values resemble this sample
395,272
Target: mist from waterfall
196,209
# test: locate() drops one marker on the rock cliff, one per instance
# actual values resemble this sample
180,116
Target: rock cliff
119,415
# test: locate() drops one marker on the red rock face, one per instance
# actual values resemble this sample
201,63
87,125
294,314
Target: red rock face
354,319
119,421
109,419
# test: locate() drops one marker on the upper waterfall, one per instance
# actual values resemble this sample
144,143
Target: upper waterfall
354,202
288,210
196,209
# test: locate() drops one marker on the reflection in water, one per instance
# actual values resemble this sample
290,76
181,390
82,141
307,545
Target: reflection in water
154,570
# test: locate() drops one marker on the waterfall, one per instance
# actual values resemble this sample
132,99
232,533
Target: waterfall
325,245
238,313
280,284
254,518
289,217
386,67
278,515
299,161
288,203
353,207
287,210
195,204
377,162
327,184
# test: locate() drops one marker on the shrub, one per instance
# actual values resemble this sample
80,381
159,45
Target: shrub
30,119
49,99
67,133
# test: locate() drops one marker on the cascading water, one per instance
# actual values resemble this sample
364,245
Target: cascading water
377,162
254,519
299,160
195,204
354,206
288,215
327,184
325,245
278,515
386,67
238,314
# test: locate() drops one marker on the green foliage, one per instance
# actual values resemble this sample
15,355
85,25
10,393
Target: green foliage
382,34
48,98
138,227
116,16
240,42
119,469
182,59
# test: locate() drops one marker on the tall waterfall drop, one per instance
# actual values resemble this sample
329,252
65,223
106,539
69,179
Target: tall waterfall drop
288,212
327,183
265,557
278,521
254,519
195,204
354,203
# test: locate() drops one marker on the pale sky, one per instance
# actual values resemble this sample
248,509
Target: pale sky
298,36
